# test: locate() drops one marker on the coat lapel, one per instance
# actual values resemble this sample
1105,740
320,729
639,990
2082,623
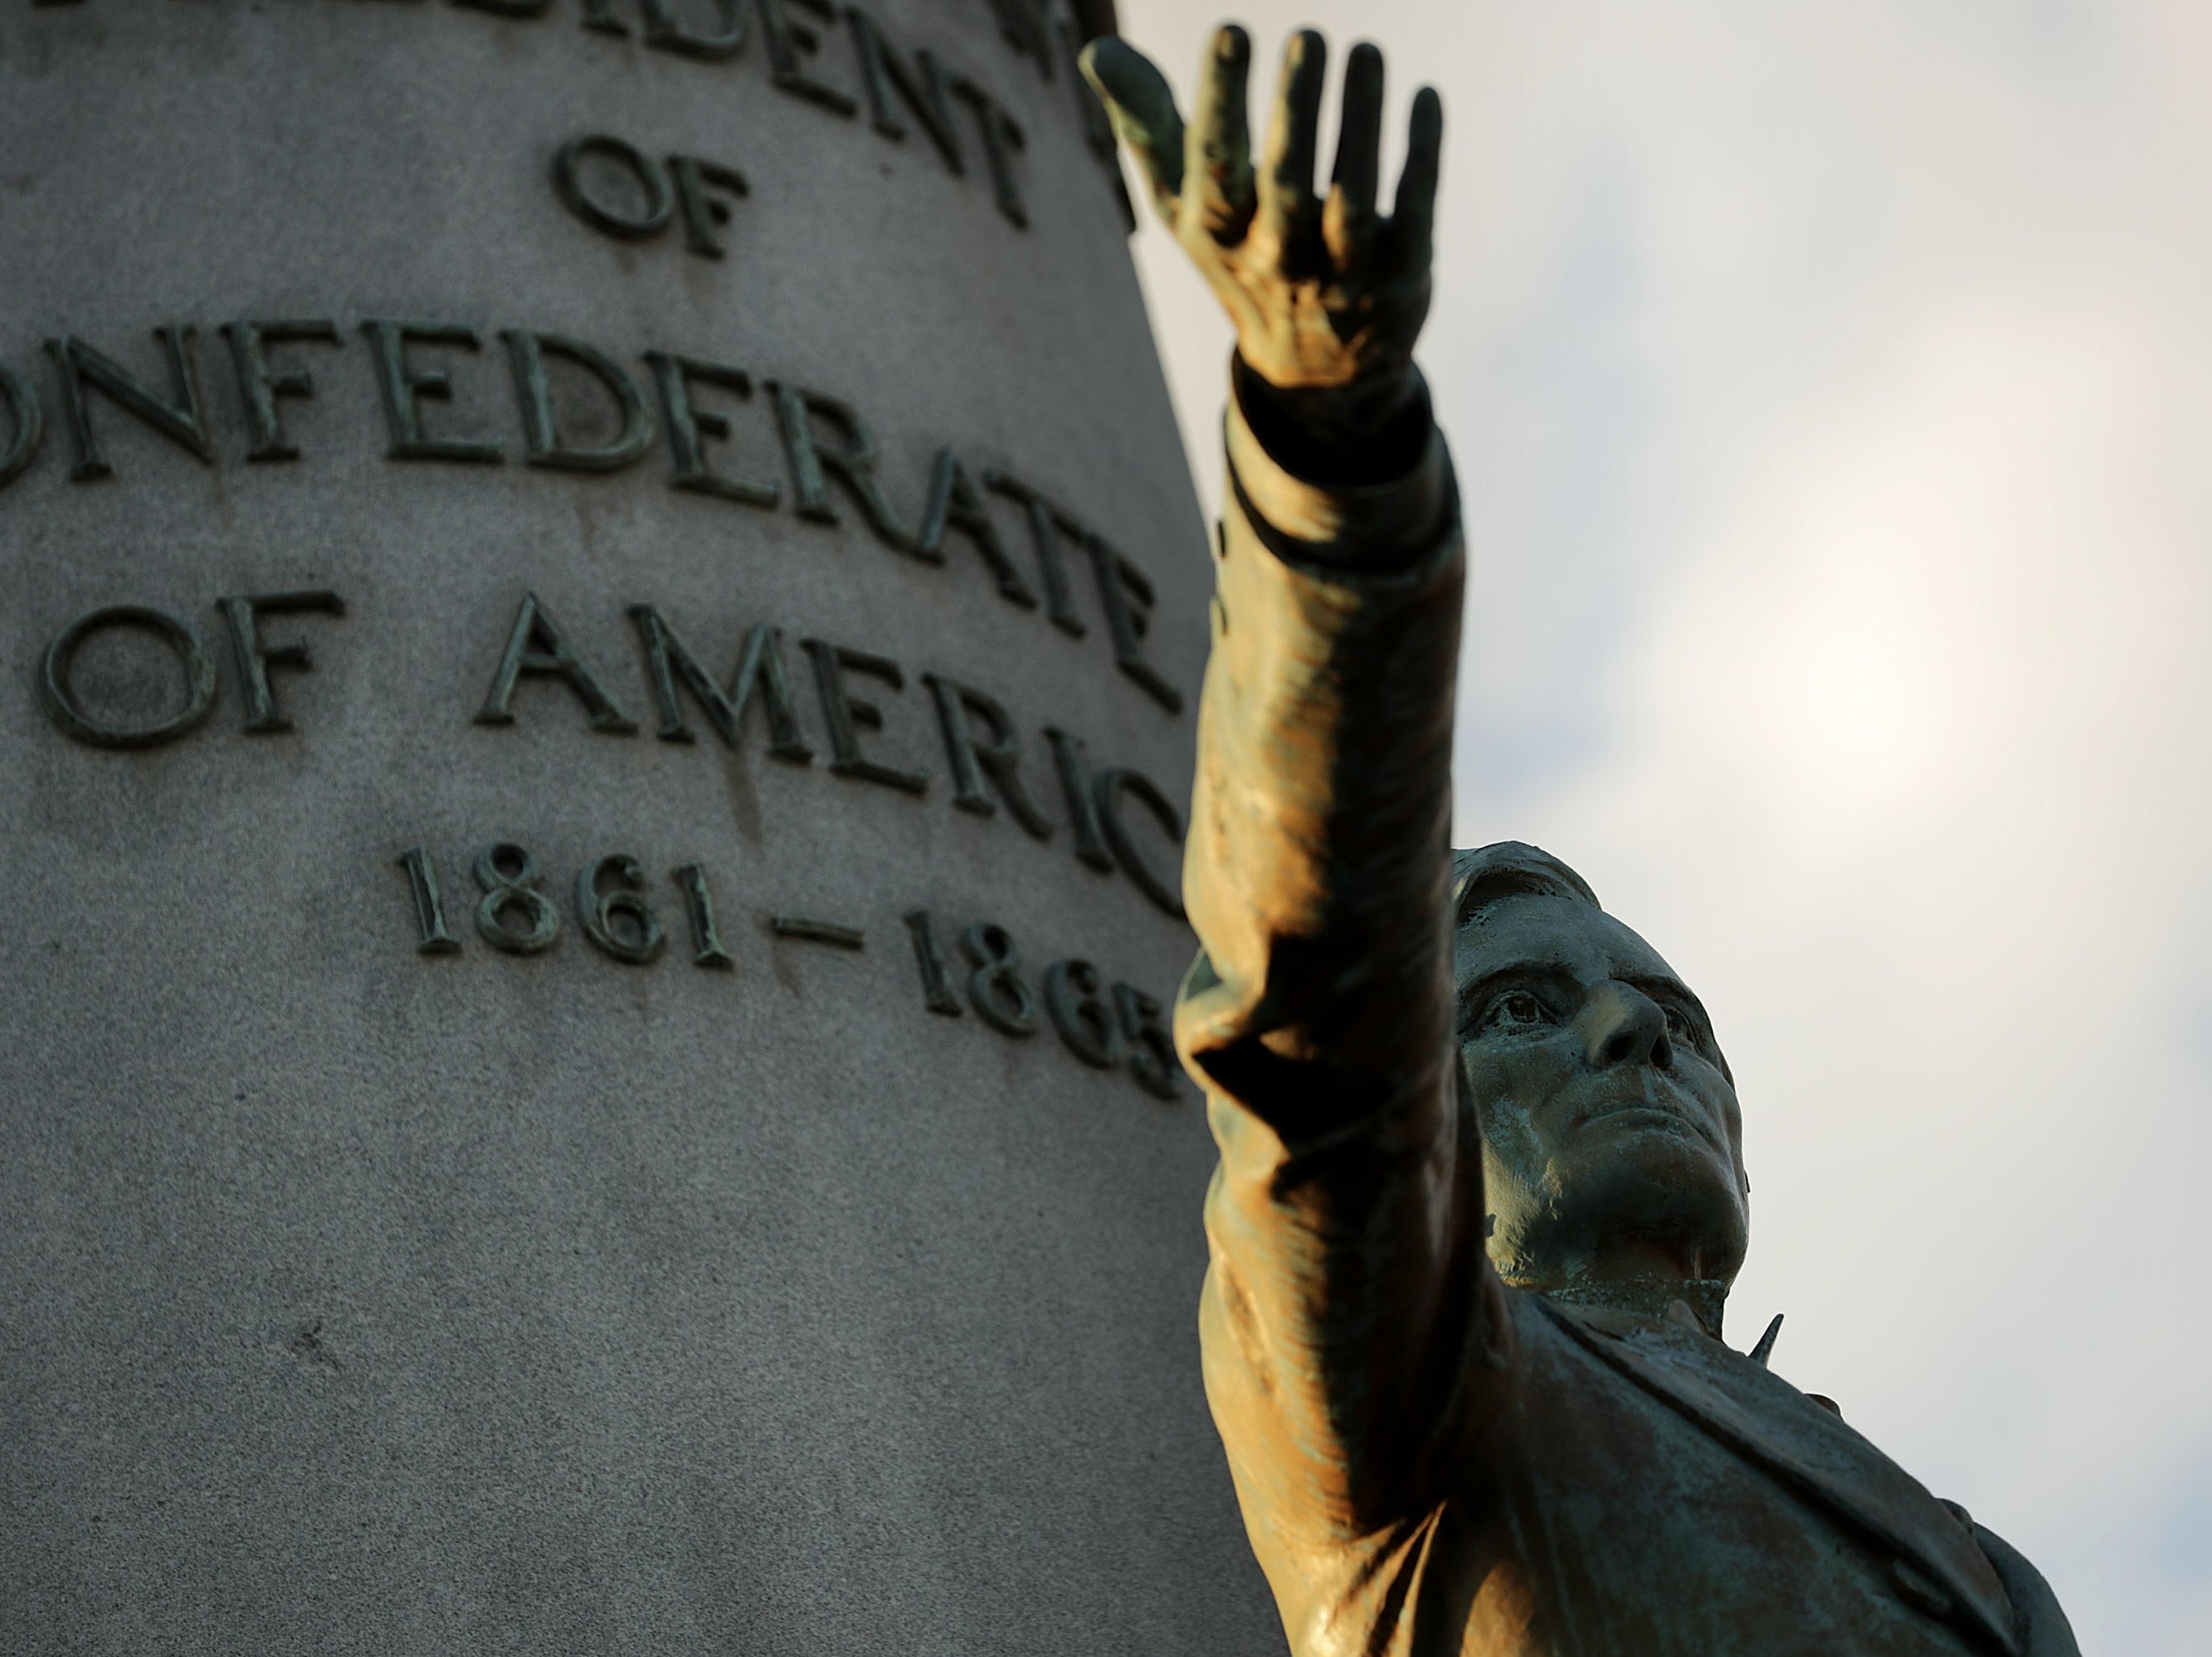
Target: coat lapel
1764,1419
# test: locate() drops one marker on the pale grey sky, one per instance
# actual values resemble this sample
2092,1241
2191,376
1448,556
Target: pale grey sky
1831,387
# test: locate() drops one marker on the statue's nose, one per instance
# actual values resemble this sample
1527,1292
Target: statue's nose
1622,1025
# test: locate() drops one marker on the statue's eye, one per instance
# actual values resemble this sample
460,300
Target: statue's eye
1681,1026
1516,1010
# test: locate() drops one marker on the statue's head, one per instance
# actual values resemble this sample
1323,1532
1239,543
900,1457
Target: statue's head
1613,1145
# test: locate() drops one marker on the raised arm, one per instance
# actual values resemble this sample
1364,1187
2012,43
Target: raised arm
1346,1274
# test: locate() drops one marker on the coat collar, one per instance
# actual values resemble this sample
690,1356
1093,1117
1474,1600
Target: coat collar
1767,1421
1647,1297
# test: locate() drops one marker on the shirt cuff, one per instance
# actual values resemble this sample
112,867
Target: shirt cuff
1384,522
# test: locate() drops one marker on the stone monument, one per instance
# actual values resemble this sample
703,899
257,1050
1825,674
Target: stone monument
605,612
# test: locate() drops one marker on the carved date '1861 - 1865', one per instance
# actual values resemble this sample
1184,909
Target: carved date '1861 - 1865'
515,915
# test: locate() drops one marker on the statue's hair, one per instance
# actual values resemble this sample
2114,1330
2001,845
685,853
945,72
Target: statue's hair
1510,869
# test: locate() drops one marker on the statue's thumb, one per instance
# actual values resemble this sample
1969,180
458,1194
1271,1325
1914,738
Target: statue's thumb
1138,97
1103,66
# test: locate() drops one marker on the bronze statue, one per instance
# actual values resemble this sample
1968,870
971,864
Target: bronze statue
1481,1190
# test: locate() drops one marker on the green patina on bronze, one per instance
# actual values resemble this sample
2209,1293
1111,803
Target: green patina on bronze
1481,1190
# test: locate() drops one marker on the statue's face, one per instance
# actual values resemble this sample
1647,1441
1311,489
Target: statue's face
1611,1140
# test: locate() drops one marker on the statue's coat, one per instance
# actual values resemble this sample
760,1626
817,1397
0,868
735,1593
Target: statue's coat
1430,1460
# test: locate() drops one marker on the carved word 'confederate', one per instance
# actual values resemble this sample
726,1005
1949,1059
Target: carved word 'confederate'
581,411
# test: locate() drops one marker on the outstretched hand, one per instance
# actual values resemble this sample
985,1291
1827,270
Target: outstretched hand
1325,295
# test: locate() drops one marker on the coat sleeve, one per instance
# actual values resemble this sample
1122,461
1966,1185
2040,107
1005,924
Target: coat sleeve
1343,1311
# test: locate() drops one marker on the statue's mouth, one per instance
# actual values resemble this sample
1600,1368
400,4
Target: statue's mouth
1652,1114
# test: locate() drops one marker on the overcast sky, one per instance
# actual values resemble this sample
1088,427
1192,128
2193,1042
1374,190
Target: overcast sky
1830,389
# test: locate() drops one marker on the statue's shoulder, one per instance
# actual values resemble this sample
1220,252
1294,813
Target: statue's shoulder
1616,1408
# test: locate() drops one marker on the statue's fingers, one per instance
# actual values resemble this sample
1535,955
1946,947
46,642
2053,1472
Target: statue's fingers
1350,217
1218,161
1143,107
1286,183
1413,219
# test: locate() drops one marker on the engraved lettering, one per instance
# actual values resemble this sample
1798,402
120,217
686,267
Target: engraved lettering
430,895
1002,137
996,754
599,18
658,203
760,666
690,426
894,86
1049,525
259,385
1100,1026
513,897
929,959
544,445
668,32
1023,25
177,417
1152,1054
403,385
995,988
813,463
1073,765
255,656
1125,595
707,948
620,923
538,645
787,41
846,715
1115,787
69,712
818,931
925,90
1076,999
954,506
702,212
25,421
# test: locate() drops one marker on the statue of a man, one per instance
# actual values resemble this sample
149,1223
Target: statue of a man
1481,1192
